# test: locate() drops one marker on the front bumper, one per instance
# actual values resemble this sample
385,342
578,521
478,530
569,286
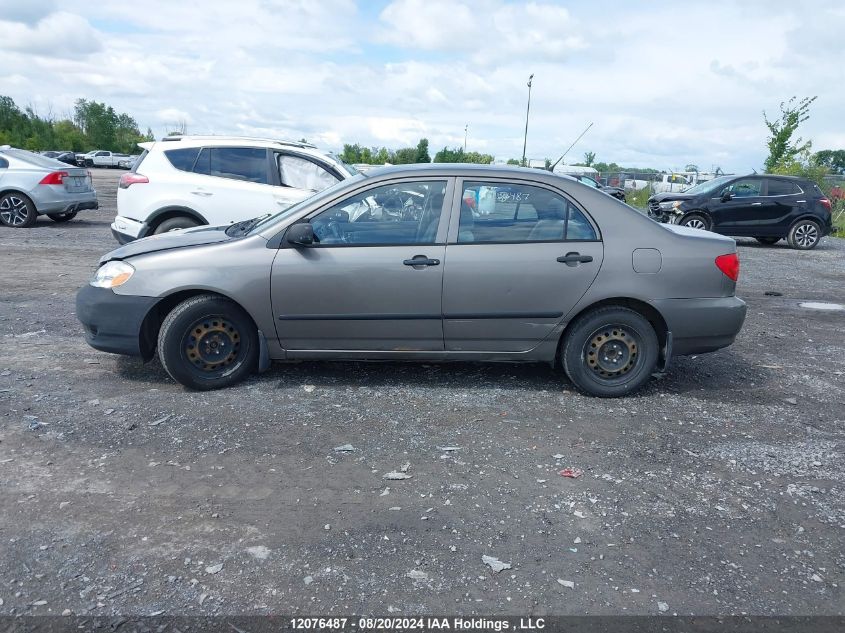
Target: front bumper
113,323
126,230
703,324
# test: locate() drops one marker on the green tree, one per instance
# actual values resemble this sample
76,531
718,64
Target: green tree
833,159
589,158
514,161
691,167
405,156
804,166
422,152
782,148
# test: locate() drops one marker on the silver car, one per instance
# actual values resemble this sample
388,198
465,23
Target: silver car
429,263
33,185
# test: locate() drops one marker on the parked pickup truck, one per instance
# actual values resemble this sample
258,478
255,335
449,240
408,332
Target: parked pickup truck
103,158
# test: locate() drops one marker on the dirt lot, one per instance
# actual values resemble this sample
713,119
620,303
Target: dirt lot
718,489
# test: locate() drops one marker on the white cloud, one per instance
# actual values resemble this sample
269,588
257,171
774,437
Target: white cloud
63,32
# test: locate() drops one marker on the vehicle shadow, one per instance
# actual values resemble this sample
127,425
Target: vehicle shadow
720,377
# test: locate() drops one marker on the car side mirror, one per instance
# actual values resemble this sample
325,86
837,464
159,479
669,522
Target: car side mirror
726,196
300,234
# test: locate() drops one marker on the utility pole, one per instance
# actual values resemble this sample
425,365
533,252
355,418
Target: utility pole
527,111
466,127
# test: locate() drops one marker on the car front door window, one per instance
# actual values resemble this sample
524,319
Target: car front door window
744,188
396,214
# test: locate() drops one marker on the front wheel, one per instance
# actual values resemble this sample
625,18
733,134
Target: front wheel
208,342
62,217
804,235
174,224
610,352
696,221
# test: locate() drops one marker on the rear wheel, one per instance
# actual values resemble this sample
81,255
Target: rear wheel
208,342
17,210
173,224
62,217
804,235
767,240
696,221
610,352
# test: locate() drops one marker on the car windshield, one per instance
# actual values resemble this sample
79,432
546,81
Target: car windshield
285,213
709,186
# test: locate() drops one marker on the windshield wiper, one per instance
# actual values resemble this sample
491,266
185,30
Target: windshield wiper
244,227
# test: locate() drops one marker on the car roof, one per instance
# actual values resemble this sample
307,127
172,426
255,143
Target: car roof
461,169
233,140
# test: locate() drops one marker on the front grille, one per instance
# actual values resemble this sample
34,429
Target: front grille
654,207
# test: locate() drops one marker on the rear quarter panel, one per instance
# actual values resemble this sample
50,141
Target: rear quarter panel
687,258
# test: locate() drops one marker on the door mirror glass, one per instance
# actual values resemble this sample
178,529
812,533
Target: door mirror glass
300,235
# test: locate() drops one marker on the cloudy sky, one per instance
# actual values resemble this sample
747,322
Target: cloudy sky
664,83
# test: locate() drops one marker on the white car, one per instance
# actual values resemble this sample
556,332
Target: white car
186,181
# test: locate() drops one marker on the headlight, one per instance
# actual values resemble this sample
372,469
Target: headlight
112,274
666,205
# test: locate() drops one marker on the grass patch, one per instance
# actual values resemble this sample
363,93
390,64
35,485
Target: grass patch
638,198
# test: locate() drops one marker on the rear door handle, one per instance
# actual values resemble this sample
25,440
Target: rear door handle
202,193
421,260
756,204
573,259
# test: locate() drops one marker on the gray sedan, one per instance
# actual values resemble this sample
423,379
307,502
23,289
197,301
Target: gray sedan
428,263
33,185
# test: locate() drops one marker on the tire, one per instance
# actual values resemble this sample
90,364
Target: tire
696,221
804,235
208,342
172,224
768,240
629,341
16,210
62,217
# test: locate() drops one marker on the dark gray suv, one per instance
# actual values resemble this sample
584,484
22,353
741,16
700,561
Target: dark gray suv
765,207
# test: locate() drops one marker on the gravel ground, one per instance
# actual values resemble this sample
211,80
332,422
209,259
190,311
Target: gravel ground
719,489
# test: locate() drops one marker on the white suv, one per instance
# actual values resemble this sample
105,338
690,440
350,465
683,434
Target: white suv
185,181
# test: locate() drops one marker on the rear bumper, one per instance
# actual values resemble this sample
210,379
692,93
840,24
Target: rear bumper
113,322
67,204
702,325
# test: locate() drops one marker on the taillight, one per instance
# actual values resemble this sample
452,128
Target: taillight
729,265
132,178
55,178
825,203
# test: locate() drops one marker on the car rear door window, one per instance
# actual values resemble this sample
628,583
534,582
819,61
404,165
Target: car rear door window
745,188
184,158
248,164
499,212
782,188
3,163
301,173
390,215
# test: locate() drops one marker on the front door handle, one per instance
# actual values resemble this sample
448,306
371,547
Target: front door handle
756,204
202,193
573,259
421,260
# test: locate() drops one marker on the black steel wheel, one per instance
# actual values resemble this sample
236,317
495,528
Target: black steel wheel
62,217
16,210
208,342
804,235
610,352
